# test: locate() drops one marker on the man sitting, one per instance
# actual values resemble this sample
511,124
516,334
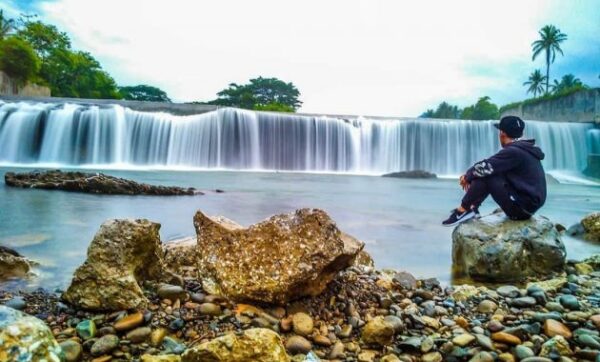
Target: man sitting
514,177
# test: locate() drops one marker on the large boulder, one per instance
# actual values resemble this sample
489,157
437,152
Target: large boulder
253,345
495,248
13,264
285,257
591,226
95,183
123,254
26,338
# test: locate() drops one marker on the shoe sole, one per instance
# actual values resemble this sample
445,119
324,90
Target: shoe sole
465,218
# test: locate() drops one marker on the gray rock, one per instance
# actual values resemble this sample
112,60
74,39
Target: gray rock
570,302
171,292
298,344
495,248
72,350
104,345
523,352
523,302
17,303
508,291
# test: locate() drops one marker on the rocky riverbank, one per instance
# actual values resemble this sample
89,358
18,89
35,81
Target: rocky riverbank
94,183
136,299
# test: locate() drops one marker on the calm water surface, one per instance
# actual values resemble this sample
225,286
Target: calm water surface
398,219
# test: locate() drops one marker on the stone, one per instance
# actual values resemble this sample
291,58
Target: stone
595,319
556,345
139,335
487,307
482,357
523,352
378,331
463,340
290,255
508,291
17,303
104,345
569,301
94,183
322,341
506,338
13,264
253,345
484,341
495,248
591,226
364,259
210,309
588,340
172,346
337,351
86,329
161,358
555,328
171,292
390,358
395,322
25,338
463,292
432,357
405,280
302,324
122,255
298,344
524,302
72,350
411,174
129,322
157,336
367,356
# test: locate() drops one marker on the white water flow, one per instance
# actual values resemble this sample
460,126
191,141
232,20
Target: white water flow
73,135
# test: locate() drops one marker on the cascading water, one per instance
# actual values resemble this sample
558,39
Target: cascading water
69,134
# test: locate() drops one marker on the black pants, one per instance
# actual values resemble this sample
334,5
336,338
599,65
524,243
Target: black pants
501,191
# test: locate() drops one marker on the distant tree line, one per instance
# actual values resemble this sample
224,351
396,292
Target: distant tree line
483,109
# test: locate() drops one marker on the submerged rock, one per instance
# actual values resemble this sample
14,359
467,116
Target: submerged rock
591,226
253,345
26,338
95,183
123,254
285,257
495,248
13,264
411,174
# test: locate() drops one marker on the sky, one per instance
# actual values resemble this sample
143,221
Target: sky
359,57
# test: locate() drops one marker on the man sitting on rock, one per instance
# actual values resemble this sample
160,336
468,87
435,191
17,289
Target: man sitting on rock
514,177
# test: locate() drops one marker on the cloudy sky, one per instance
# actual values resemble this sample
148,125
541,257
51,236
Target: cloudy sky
367,57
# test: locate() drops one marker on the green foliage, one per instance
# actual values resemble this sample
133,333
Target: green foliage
7,26
259,92
18,59
568,81
444,110
44,38
482,110
144,92
549,42
535,83
274,107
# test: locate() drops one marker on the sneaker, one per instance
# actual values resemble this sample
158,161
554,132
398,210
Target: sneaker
457,217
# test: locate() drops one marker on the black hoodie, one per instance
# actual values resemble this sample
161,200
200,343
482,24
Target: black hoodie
520,163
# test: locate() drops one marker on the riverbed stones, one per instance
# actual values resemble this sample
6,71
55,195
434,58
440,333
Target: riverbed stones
555,328
104,345
378,331
72,350
302,324
129,322
13,264
298,344
25,338
290,256
487,306
123,254
495,248
86,329
257,344
591,226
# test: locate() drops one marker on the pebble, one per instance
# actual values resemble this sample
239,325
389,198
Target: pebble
72,350
555,307
484,341
337,351
463,340
17,303
507,338
523,352
129,322
495,326
524,302
298,344
487,307
139,334
171,292
86,329
432,357
395,322
570,302
172,346
302,324
482,357
104,345
210,309
322,340
554,328
176,324
508,291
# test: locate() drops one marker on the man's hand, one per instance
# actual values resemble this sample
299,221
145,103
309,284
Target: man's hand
464,183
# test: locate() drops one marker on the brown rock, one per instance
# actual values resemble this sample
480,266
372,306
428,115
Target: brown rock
298,344
596,320
591,225
506,338
12,264
290,256
123,254
322,340
129,322
378,331
303,324
555,328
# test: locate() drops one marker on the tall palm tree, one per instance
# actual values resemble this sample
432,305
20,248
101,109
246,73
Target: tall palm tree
535,83
549,42
6,25
566,82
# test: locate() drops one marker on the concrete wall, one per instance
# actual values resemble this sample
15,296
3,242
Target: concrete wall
8,87
583,106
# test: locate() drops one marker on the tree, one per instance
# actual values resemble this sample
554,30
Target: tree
535,83
18,59
144,92
259,92
274,107
44,38
444,110
482,110
550,39
7,26
567,82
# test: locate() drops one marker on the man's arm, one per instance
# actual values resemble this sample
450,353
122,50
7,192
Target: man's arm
503,161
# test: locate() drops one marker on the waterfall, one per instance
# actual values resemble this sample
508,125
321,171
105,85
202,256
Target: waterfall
91,135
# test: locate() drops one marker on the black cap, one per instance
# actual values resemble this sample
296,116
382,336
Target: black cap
513,126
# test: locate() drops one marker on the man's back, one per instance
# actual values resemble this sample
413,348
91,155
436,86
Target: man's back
527,176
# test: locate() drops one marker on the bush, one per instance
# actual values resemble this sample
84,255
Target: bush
18,59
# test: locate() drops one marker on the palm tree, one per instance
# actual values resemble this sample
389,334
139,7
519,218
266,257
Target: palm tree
535,83
566,82
549,42
6,25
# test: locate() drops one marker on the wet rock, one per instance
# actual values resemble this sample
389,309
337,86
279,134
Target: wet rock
432,357
506,338
463,340
495,248
95,183
25,338
591,226
524,302
411,174
557,345
72,350
123,254
129,322
139,335
104,345
258,344
570,302
210,309
337,352
555,328
86,329
13,264
17,303
482,357
302,324
171,292
298,344
378,331
290,255
487,306
161,358
405,280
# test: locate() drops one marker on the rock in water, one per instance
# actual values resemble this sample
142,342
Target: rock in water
591,226
254,345
12,264
122,255
411,174
94,183
26,338
495,248
285,257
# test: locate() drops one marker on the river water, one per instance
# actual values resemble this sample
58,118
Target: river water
398,219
